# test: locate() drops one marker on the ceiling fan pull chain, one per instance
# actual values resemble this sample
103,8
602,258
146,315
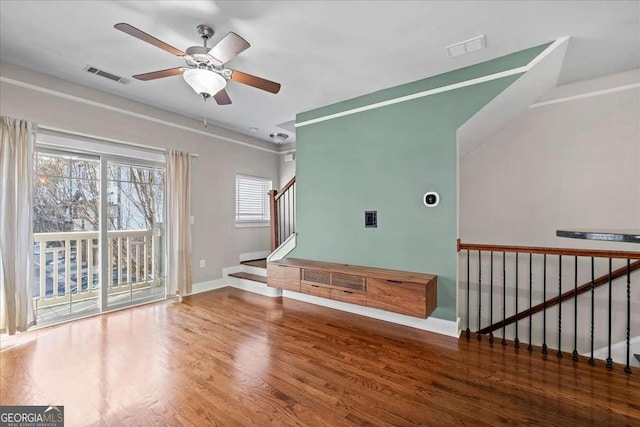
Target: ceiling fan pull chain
204,109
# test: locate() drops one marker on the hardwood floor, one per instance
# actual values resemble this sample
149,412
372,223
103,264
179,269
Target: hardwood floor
228,357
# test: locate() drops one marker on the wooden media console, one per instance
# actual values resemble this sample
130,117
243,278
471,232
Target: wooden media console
413,294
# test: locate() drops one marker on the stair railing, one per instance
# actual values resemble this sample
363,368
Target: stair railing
283,213
494,271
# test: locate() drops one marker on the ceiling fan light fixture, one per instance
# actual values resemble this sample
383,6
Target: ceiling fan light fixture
204,82
278,138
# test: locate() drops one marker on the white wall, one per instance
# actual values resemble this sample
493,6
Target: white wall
55,103
287,170
572,164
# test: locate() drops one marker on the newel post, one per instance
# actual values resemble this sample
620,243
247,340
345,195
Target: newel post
273,206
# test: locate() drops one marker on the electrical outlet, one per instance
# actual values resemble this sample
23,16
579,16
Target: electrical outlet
203,263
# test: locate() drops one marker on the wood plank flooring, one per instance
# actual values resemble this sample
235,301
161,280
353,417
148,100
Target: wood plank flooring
228,357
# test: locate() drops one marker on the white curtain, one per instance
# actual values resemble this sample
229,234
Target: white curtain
178,223
16,225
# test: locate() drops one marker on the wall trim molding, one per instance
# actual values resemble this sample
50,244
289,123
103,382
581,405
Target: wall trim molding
130,113
209,285
590,94
441,89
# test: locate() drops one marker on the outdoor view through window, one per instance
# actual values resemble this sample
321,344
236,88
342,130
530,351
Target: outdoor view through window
67,207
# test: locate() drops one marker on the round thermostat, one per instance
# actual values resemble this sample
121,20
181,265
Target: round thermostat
431,199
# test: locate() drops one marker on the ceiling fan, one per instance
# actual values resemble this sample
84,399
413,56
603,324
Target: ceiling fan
204,70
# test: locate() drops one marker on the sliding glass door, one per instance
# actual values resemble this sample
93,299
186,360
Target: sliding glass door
135,223
98,233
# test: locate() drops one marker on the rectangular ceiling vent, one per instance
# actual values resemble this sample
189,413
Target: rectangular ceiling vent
98,72
467,46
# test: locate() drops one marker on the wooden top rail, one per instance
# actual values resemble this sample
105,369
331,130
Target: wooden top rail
549,251
381,273
285,188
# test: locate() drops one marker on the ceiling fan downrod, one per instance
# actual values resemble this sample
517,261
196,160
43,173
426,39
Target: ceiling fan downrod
206,32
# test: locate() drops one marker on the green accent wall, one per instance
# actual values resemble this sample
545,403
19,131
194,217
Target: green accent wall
385,159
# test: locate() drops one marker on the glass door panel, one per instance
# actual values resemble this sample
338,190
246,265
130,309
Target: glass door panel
135,224
66,209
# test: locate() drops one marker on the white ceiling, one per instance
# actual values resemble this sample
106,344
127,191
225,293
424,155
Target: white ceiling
320,51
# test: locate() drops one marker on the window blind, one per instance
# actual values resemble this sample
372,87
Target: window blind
252,199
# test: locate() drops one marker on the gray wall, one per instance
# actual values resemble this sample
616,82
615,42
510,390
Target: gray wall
215,237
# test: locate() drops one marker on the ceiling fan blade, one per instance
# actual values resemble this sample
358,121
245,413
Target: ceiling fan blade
229,47
139,34
258,82
159,74
222,97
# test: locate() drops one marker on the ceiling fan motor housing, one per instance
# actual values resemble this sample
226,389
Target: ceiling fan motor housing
198,55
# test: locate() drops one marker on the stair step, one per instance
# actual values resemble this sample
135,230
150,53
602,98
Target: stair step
260,263
637,357
249,276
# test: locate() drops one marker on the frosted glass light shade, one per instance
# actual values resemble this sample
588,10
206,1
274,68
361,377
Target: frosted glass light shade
204,81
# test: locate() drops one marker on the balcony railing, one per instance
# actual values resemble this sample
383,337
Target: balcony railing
67,265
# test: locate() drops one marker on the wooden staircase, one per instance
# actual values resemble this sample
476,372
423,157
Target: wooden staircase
283,213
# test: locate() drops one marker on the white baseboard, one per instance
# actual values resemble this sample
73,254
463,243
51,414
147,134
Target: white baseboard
209,285
250,256
432,324
619,351
254,270
255,287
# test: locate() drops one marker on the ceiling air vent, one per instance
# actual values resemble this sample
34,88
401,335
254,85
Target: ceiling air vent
98,72
467,46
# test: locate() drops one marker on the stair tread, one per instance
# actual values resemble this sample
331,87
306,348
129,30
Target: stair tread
249,276
260,263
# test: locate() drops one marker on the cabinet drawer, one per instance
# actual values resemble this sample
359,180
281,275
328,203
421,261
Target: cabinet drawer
399,297
349,296
316,290
282,276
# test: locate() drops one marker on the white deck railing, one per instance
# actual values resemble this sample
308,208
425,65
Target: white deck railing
72,259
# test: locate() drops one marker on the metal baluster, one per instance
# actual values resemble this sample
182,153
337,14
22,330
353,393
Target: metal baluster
592,361
530,347
544,304
609,359
504,299
627,369
516,342
559,353
479,294
491,302
468,331
575,312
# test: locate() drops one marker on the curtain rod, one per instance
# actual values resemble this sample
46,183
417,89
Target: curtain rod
125,144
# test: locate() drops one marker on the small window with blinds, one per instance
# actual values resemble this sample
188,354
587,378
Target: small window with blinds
252,200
